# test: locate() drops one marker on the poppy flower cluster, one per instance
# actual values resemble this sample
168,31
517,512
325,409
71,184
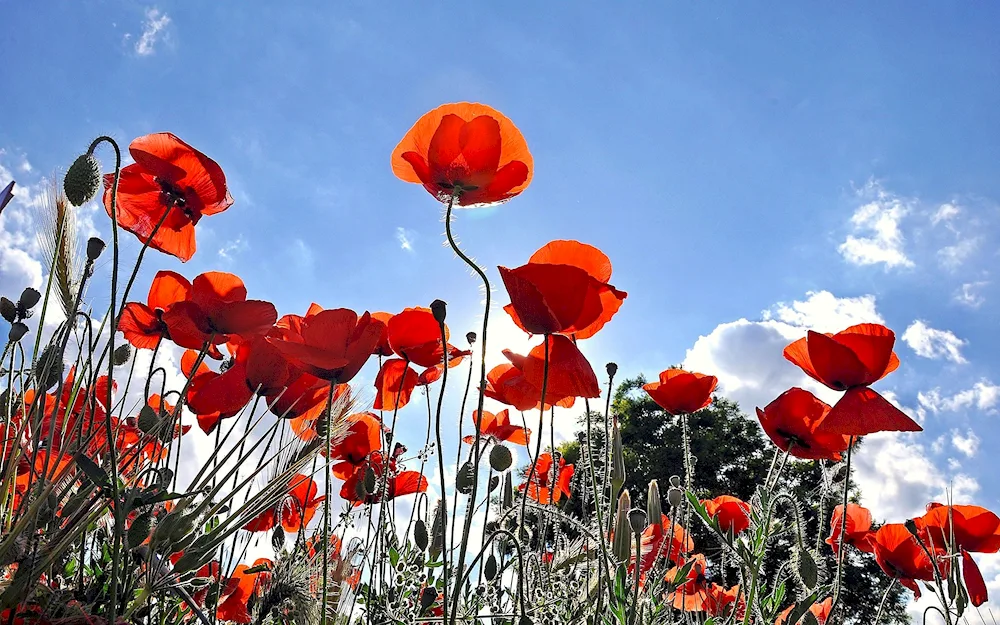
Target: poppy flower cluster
550,482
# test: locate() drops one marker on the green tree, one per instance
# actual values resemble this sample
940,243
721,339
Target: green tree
733,458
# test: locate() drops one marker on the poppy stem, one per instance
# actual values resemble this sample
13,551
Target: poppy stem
885,597
843,529
326,504
482,378
444,499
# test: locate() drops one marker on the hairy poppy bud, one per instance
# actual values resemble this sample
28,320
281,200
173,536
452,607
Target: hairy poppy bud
654,509
49,367
370,480
466,478
500,458
121,354
427,598
17,330
612,369
508,492
83,179
471,337
637,520
440,310
437,531
674,496
911,526
8,310
622,545
420,534
675,481
617,460
490,569
95,246
278,539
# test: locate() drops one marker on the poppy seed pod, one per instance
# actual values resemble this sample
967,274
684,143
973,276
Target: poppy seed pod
612,369
29,297
8,310
675,481
17,330
675,496
471,337
95,246
83,179
500,458
637,520
440,310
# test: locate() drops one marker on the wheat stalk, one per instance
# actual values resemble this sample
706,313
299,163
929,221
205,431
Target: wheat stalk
57,240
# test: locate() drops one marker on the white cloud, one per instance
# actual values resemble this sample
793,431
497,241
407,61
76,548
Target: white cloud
877,237
984,396
231,248
25,166
952,256
152,31
967,443
822,311
405,238
969,294
946,212
931,343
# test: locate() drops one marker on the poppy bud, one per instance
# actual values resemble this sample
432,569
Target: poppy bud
622,545
471,337
675,481
83,179
17,330
508,492
500,458
637,520
437,531
653,508
29,297
278,539
420,534
427,598
617,460
440,310
911,527
95,246
612,369
121,354
465,478
49,367
494,482
490,569
369,480
7,310
674,496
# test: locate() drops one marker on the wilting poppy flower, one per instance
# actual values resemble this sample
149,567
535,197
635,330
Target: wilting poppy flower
820,610
257,368
142,324
498,427
851,361
216,311
732,513
592,261
901,557
679,391
541,487
168,176
792,422
692,593
363,438
398,483
294,511
239,589
332,344
972,528
467,151
859,528
654,539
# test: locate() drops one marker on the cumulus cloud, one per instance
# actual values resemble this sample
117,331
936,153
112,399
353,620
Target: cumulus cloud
932,343
876,236
984,396
969,294
822,311
967,443
152,32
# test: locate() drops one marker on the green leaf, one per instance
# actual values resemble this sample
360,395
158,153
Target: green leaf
807,569
94,472
138,532
682,572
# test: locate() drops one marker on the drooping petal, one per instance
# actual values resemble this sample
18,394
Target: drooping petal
394,384
862,411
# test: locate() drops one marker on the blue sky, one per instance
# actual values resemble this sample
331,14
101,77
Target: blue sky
787,167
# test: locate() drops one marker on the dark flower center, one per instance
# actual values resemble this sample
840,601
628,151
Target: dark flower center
173,197
792,439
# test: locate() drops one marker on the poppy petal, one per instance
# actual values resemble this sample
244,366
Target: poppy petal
974,581
862,411
394,384
167,288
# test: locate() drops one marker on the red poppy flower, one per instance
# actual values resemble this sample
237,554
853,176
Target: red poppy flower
902,558
239,589
394,384
556,254
210,571
294,512
498,427
257,368
569,373
399,483
820,610
332,344
654,539
304,401
507,385
859,528
974,581
142,324
467,150
851,361
541,488
691,594
383,348
216,311
363,438
415,336
720,601
169,176
201,377
792,423
680,391
732,513
972,528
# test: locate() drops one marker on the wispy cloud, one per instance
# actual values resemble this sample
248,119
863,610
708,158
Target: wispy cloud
405,238
932,343
984,395
153,31
967,443
952,256
229,250
969,294
877,237
945,213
